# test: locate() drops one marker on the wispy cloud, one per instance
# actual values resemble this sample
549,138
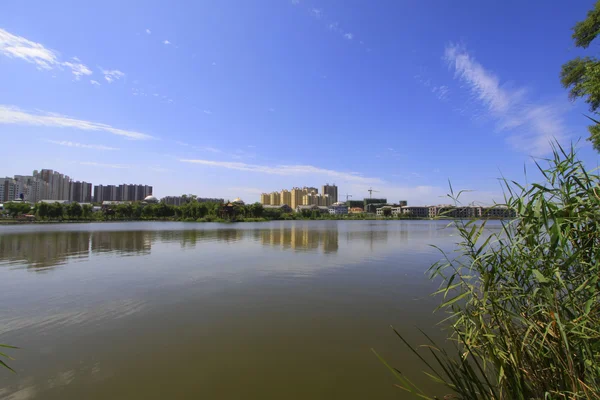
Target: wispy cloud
295,2
348,36
14,116
317,13
93,82
148,31
286,170
101,165
166,42
207,112
81,145
533,125
112,75
14,46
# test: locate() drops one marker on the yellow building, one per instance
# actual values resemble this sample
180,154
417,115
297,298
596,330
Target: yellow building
296,198
265,199
286,197
275,199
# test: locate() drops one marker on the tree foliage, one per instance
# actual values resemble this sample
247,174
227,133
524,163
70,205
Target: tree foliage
582,74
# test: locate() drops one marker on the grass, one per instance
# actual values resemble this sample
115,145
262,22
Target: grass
523,304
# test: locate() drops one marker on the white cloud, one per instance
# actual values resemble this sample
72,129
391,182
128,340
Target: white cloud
95,164
533,126
207,112
286,170
81,145
93,82
112,75
271,109
14,116
14,46
214,63
317,13
166,42
295,2
441,92
348,36
148,31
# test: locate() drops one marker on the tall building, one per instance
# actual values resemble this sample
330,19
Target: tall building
296,196
33,188
275,199
332,191
285,197
265,199
80,192
58,184
8,188
105,193
124,192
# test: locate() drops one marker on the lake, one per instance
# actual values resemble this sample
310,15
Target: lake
161,310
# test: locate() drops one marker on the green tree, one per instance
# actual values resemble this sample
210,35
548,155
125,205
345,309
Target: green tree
17,208
43,210
582,74
74,210
55,210
86,211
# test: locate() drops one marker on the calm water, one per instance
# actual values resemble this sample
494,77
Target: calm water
282,310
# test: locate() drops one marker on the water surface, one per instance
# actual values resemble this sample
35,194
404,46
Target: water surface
281,310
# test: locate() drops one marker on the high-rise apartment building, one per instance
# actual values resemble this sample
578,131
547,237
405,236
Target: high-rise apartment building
80,192
105,193
332,191
296,196
285,197
124,192
265,199
58,184
8,188
275,199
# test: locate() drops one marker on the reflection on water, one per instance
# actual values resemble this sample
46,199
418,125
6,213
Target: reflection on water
45,249
174,310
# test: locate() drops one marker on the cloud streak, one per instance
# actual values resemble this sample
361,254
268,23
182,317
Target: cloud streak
18,47
100,165
112,75
285,170
14,116
81,145
532,125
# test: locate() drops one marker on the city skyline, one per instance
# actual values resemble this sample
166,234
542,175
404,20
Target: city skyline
226,100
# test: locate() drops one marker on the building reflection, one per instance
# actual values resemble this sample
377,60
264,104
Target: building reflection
44,249
301,238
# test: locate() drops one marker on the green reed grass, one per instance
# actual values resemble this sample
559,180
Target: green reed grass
523,304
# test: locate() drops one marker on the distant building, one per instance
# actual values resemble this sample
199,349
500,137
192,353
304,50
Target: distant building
300,209
209,200
8,189
275,199
414,211
296,195
403,203
124,192
331,191
285,197
151,200
238,201
283,208
355,210
174,200
80,192
338,208
385,211
265,199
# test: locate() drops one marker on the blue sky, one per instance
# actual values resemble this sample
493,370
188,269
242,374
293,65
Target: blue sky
233,98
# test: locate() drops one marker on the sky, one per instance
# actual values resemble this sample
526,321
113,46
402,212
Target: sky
223,98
